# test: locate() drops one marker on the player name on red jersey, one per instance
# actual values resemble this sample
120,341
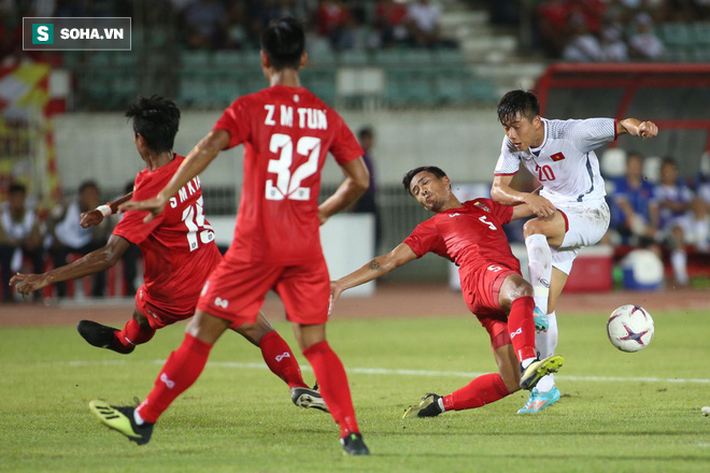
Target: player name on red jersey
186,191
311,118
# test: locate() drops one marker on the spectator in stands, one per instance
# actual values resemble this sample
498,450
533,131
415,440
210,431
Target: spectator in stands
367,203
335,22
614,49
674,200
68,237
583,46
390,23
206,24
644,44
20,237
701,205
634,210
423,22
552,27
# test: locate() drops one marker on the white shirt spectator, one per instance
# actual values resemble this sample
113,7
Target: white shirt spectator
425,16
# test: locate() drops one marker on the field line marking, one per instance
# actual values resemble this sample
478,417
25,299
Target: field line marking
402,372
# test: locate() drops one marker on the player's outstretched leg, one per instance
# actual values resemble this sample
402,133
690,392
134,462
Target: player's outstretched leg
429,407
122,420
102,336
539,400
335,390
308,398
537,369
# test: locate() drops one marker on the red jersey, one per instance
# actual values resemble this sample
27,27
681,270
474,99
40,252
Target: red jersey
471,236
178,245
287,132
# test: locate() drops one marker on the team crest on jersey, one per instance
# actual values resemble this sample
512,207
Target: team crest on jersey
482,206
557,157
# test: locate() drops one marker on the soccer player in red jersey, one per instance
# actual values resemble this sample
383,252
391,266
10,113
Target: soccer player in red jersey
471,235
178,250
287,132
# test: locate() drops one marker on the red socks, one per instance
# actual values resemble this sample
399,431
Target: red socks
482,390
182,369
132,334
280,360
333,384
522,327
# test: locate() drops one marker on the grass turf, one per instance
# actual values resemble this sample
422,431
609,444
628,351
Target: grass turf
619,412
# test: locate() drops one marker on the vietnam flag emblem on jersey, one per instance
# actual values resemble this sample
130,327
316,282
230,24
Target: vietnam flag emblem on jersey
557,157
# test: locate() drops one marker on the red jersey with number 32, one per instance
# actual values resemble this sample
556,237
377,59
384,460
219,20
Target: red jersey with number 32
471,236
178,245
287,133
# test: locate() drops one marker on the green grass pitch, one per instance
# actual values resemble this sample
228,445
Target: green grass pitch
619,412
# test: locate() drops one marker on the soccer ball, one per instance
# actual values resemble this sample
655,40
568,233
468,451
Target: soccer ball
630,328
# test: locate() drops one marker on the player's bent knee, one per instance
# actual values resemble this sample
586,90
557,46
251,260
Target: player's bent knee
533,227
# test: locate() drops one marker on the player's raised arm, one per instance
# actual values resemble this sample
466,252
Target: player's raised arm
636,127
199,158
379,266
357,180
92,263
96,216
502,192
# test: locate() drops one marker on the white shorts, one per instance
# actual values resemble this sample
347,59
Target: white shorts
586,223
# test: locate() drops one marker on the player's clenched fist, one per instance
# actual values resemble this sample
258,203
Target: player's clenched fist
647,129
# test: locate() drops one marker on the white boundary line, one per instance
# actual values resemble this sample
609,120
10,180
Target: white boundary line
402,372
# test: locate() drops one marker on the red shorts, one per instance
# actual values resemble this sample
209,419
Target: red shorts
158,317
481,291
235,291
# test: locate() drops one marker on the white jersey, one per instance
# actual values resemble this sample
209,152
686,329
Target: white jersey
565,163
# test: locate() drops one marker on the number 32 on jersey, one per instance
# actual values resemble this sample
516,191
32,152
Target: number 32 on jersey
288,184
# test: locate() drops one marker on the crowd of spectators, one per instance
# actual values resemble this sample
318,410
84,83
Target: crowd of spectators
354,24
654,212
238,24
610,30
31,240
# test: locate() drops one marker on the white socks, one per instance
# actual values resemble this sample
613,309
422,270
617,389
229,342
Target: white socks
546,344
137,417
540,268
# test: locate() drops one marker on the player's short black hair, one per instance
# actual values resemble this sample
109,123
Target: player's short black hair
16,187
669,161
87,184
364,132
156,119
284,42
407,178
516,102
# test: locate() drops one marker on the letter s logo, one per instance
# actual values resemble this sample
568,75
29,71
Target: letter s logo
43,33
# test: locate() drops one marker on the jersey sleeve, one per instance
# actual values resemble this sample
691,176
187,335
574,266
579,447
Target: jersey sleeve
508,163
345,146
590,134
423,239
235,120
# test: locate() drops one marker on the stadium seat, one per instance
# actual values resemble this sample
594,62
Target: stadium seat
480,91
416,57
448,56
195,59
449,90
353,57
675,34
389,57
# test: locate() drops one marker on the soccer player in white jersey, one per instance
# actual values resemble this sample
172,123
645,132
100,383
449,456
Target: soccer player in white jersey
570,210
